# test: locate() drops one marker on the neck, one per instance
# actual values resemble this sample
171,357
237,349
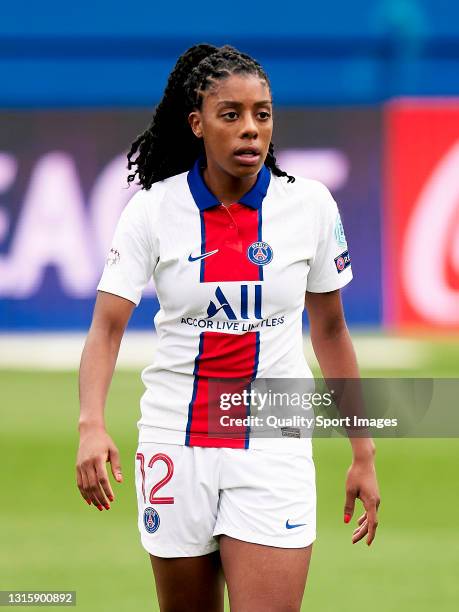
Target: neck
227,188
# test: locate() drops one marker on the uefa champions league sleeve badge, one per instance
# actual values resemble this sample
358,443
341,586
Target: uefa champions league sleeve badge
342,261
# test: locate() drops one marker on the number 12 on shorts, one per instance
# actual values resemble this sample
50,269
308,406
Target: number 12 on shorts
155,488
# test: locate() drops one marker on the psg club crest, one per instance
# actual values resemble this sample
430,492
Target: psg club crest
151,520
260,253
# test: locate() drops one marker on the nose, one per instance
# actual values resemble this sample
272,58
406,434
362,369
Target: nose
249,127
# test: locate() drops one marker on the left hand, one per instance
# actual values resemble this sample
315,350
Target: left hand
361,482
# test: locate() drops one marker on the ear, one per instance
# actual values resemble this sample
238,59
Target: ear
194,119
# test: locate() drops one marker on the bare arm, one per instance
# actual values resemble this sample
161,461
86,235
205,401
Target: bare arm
333,348
336,356
111,315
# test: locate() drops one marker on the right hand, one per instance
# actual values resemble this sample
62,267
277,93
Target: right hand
95,449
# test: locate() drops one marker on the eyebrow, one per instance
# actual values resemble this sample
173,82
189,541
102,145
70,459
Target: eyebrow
236,103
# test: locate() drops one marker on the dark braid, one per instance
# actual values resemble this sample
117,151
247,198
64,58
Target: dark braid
168,146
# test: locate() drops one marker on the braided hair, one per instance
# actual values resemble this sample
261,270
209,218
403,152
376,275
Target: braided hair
168,146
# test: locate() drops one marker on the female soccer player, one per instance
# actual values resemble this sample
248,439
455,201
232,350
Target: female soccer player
237,248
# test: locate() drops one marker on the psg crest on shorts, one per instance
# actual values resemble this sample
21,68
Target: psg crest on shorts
260,253
151,520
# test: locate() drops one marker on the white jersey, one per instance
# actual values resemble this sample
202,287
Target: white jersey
231,284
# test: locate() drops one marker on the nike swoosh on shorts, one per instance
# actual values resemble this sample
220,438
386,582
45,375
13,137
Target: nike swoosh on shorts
292,526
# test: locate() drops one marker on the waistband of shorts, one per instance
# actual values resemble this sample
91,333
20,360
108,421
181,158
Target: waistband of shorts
171,436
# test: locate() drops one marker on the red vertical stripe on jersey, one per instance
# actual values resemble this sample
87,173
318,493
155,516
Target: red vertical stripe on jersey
230,230
230,356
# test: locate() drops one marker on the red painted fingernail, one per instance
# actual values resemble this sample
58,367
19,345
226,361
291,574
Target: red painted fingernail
347,518
111,498
99,507
107,506
89,501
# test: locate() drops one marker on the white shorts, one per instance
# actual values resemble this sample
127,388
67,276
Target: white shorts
187,496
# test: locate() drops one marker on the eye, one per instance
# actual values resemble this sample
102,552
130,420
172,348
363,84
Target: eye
264,115
231,115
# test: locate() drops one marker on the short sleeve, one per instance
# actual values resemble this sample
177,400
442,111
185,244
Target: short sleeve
330,267
132,257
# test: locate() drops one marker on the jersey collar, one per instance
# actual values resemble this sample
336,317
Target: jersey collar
204,198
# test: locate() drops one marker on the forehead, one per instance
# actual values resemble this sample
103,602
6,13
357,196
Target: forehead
243,88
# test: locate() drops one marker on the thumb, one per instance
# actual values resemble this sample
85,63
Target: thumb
116,464
349,505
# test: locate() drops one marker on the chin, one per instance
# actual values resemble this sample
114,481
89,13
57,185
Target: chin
242,171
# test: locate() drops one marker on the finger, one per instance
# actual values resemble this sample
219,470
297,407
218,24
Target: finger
372,521
351,494
93,488
361,532
80,486
86,488
114,458
362,518
364,524
104,482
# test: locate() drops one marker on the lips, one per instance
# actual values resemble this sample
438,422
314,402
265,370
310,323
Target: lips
248,155
248,150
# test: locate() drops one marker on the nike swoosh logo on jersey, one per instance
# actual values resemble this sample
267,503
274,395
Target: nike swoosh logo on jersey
202,256
291,526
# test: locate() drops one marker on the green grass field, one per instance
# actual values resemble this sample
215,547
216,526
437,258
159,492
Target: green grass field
50,538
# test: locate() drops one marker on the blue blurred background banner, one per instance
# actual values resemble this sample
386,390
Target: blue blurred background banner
107,53
63,186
